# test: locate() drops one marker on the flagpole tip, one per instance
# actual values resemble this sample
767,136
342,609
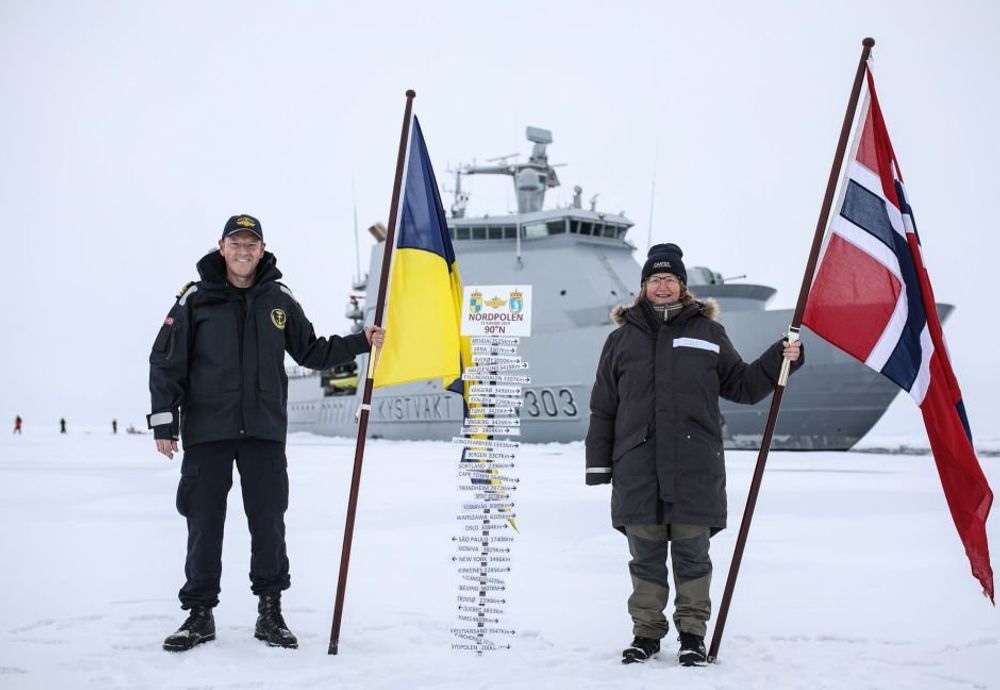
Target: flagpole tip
867,43
410,93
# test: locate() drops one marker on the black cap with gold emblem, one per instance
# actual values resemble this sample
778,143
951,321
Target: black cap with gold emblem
241,223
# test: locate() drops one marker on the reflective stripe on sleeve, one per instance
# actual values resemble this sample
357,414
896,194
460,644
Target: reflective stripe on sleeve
598,470
161,418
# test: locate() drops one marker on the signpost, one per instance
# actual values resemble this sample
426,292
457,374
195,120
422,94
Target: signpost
496,317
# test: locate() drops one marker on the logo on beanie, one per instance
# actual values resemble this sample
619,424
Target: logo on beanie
278,318
246,222
662,264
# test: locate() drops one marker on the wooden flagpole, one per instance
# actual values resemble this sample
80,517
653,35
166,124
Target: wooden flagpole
359,450
793,334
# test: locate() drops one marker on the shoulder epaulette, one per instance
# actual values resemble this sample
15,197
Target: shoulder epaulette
188,288
284,288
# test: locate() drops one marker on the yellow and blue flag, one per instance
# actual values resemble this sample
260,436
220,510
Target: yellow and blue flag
423,312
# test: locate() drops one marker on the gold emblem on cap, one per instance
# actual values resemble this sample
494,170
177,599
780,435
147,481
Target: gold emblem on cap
246,222
278,318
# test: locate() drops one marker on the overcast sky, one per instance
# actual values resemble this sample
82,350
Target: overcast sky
132,130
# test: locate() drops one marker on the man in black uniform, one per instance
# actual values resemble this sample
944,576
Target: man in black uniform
217,380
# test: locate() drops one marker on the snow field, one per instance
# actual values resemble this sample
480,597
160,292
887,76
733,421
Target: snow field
854,576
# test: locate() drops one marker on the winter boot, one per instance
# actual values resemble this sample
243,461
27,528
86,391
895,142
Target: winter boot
271,625
199,627
642,649
692,651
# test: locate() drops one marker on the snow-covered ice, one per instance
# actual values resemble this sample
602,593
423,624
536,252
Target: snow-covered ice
854,576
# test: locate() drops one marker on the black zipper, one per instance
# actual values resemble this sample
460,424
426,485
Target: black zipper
241,312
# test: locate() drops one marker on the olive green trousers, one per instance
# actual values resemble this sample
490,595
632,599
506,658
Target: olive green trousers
687,546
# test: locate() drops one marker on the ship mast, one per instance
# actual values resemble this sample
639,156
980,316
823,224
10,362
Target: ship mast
531,179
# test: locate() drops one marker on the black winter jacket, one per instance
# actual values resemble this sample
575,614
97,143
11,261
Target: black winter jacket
655,427
217,368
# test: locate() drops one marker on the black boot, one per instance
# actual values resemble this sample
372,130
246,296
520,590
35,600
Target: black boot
642,649
199,627
692,651
271,625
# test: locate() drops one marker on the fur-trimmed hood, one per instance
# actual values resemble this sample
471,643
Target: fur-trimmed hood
708,308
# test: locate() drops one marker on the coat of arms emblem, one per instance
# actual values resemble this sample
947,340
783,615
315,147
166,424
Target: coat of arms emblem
516,301
475,302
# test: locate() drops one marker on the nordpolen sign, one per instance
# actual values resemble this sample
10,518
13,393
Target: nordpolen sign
496,310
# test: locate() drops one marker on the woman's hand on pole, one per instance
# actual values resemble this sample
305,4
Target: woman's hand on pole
793,349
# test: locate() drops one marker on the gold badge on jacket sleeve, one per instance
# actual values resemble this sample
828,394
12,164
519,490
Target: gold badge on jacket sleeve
278,318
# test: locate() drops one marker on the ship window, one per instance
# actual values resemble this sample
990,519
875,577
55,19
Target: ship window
479,233
509,232
610,231
586,228
621,233
534,230
462,233
556,227
496,233
574,226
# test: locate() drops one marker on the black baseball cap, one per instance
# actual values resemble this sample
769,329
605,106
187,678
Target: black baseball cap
243,222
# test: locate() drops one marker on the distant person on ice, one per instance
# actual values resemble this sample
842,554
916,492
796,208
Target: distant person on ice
17,424
217,382
62,426
656,435
114,426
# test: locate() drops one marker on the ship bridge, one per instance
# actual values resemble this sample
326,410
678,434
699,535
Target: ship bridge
565,221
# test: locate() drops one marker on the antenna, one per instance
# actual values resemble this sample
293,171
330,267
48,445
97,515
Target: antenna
461,197
357,250
652,194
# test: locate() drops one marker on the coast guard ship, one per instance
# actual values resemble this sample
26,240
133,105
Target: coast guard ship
580,265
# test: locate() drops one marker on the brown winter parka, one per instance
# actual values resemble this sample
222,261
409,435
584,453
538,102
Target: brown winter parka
655,427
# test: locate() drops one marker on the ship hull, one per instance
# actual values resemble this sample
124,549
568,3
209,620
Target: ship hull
829,404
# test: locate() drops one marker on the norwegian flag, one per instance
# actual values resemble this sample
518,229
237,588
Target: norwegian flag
872,297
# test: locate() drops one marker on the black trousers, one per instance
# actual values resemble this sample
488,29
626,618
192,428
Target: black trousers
206,477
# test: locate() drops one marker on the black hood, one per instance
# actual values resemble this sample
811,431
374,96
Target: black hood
212,269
